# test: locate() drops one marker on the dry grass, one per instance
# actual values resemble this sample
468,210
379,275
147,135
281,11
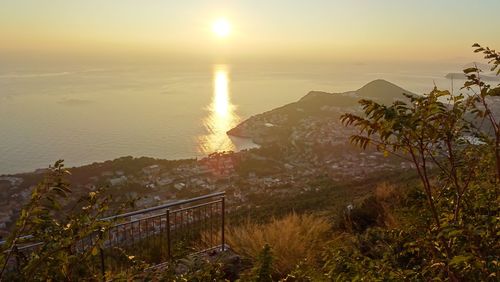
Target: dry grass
293,238
387,195
385,191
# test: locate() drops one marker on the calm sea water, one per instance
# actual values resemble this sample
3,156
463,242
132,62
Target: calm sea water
85,114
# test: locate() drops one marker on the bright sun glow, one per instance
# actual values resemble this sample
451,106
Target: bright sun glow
221,28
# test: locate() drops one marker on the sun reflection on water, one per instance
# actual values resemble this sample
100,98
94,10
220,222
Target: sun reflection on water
221,115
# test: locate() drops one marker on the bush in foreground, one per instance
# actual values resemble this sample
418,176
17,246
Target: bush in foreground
292,239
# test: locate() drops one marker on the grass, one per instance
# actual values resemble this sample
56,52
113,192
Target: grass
294,239
387,195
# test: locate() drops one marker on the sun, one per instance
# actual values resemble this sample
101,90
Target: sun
221,28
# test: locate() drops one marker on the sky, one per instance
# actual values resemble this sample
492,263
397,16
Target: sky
321,30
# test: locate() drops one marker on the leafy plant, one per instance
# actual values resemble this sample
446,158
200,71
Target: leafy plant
263,270
68,243
458,164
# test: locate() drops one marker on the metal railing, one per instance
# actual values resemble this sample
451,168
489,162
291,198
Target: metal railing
167,231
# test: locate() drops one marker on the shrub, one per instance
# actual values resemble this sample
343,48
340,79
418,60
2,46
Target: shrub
374,210
262,271
457,234
293,238
60,232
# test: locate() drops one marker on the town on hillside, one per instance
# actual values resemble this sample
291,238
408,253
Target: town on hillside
314,147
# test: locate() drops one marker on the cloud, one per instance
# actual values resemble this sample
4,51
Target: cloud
32,75
75,102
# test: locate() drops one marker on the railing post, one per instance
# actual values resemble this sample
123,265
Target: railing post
101,252
169,245
223,212
103,267
17,257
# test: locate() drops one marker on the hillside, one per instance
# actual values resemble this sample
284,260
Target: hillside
315,104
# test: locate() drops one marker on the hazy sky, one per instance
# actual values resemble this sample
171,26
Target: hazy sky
357,30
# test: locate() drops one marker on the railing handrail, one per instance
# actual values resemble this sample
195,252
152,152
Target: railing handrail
164,206
160,207
18,238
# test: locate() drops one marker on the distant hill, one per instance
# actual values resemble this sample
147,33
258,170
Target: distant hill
461,76
379,90
486,74
318,103
382,91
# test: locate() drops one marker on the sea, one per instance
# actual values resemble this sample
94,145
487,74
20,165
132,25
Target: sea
86,113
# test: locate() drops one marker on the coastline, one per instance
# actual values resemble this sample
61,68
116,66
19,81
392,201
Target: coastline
240,142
